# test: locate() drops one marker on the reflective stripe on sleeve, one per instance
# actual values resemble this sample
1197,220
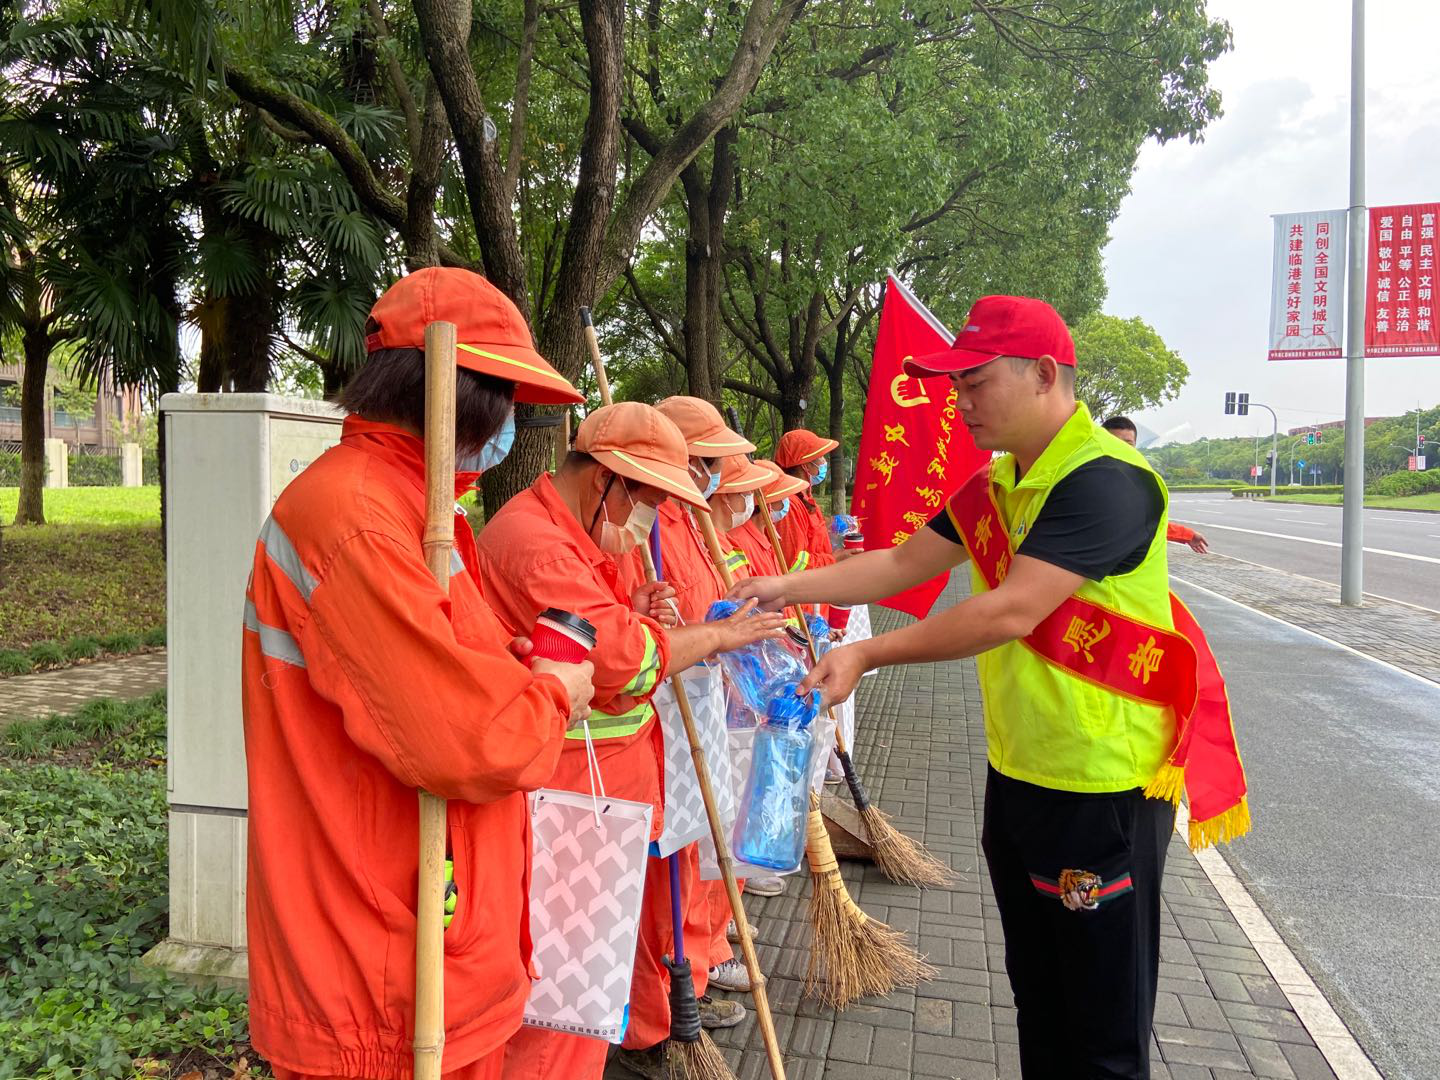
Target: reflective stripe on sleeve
649,673
614,726
802,561
274,642
282,553
736,560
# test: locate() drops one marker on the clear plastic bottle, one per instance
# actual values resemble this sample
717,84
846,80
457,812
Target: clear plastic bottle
771,829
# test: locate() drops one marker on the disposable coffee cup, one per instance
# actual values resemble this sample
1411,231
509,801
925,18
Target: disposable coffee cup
563,636
854,541
839,617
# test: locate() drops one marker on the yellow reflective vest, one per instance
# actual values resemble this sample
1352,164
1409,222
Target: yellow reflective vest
1044,725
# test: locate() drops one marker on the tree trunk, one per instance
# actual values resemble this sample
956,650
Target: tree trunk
250,320
705,206
31,510
837,432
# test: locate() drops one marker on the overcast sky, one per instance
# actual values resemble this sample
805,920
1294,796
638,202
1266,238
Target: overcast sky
1191,249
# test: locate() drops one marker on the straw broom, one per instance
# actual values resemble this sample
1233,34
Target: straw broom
853,955
701,1059
899,858
439,539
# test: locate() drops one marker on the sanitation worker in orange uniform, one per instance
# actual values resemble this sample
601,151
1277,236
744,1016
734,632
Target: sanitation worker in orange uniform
1123,428
362,682
556,545
749,541
690,569
803,533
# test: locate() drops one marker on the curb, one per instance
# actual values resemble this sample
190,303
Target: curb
1331,1036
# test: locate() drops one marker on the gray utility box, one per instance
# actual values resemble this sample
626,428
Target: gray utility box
227,458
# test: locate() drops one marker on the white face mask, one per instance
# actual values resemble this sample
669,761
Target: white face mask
728,516
623,539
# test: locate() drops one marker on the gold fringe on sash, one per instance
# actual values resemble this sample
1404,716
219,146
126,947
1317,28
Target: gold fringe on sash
1169,784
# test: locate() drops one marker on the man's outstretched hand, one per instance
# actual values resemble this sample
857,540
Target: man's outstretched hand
769,592
836,674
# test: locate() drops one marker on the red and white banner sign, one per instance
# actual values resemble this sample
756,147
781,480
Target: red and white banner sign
1400,265
914,450
1307,294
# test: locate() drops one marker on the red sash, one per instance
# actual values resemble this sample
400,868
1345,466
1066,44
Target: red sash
1137,660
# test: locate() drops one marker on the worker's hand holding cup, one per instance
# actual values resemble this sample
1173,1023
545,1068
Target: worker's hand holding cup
561,644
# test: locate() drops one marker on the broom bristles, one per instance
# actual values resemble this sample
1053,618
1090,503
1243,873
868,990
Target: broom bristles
900,858
699,1060
853,956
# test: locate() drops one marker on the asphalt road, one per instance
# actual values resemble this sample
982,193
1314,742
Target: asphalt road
1343,759
1402,548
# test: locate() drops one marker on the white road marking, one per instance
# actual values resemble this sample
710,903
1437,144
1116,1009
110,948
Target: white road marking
1322,543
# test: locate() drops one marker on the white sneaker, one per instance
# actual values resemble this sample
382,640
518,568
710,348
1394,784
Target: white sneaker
771,885
731,975
733,935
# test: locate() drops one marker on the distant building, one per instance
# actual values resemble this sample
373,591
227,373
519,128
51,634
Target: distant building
1330,425
96,433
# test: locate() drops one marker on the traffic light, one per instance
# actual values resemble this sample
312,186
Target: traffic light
1422,442
1319,436
1310,438
1242,407
1230,404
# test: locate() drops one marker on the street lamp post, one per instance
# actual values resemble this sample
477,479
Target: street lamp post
1352,514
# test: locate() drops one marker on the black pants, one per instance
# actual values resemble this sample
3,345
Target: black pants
1077,880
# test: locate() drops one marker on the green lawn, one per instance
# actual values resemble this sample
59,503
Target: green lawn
90,505
1428,501
105,582
84,888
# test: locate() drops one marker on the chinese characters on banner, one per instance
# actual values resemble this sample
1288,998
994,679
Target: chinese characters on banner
914,451
1399,300
1307,293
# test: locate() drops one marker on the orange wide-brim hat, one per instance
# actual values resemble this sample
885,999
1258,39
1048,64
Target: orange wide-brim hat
491,335
800,446
781,485
739,474
640,444
706,433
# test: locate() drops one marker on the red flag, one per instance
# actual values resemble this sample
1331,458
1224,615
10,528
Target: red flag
914,451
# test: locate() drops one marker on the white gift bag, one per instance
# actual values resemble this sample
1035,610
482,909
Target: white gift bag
587,878
685,817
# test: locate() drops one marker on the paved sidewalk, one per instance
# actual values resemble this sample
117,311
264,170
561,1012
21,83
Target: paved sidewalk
921,751
1396,633
65,690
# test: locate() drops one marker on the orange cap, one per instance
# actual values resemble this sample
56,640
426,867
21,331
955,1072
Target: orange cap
782,485
491,335
705,431
640,444
799,446
739,474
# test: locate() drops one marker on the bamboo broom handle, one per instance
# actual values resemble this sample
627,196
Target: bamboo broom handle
438,543
596,361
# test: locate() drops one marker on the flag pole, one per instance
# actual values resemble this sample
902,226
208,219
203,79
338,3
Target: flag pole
1352,514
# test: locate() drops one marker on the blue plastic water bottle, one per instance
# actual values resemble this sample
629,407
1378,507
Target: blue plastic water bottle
771,830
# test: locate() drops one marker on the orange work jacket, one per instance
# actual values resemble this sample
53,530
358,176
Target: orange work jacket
753,542
686,562
362,681
534,555
803,535
1179,534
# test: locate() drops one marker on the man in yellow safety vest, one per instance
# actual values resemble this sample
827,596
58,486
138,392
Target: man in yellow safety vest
1102,700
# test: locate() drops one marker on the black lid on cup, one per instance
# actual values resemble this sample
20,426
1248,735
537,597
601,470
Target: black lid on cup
570,621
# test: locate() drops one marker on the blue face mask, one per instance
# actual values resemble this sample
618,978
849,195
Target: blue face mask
712,482
824,471
778,512
495,450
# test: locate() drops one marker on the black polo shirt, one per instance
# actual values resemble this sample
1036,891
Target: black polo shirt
1099,520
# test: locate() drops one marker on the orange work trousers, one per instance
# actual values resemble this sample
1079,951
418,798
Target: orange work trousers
650,984
485,1068
537,1054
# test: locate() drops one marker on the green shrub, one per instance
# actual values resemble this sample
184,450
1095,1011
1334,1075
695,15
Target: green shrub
94,470
120,643
155,638
1407,483
46,654
82,648
1309,489
14,662
84,888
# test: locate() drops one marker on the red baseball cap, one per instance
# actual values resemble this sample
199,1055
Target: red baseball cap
1001,326
491,335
